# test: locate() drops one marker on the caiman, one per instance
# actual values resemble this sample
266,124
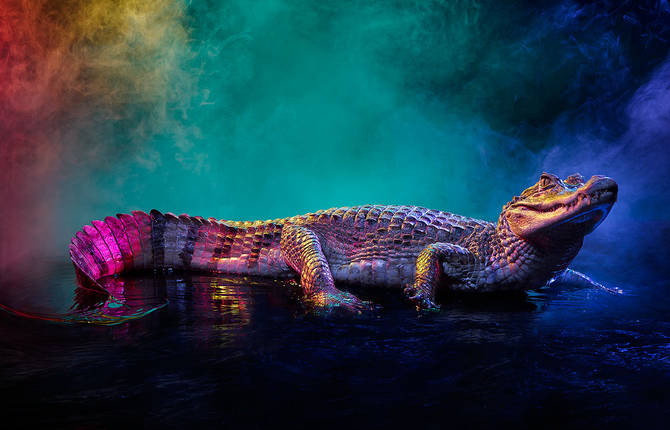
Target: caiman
412,248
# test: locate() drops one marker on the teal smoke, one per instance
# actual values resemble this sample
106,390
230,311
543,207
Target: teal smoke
286,107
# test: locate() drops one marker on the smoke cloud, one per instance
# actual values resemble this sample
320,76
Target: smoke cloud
256,110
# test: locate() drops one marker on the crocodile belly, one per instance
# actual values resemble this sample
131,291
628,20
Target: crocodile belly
376,272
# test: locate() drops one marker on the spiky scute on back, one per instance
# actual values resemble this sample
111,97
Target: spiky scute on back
371,245
350,236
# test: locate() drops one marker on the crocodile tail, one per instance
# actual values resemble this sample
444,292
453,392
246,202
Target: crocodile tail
141,241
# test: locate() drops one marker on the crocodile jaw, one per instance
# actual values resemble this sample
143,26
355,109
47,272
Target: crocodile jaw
572,212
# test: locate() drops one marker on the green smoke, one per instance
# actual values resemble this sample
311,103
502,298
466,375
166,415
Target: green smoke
286,107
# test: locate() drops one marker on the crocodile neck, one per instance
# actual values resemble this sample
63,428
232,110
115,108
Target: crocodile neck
515,260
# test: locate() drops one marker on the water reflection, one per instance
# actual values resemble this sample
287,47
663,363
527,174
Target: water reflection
112,301
48,294
115,300
215,342
223,308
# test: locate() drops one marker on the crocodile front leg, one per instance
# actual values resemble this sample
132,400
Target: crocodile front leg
436,261
301,249
580,280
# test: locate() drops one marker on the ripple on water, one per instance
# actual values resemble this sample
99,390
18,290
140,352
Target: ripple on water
215,340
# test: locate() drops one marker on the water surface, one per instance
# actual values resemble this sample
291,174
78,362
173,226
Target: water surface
242,351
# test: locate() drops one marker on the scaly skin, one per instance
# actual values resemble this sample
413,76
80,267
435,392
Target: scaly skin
417,249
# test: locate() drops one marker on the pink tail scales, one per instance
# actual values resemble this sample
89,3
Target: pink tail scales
156,241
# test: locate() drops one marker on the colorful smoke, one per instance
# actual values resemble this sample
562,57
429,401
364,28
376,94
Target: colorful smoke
83,84
246,110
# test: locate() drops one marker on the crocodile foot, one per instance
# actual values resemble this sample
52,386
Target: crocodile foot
336,300
421,298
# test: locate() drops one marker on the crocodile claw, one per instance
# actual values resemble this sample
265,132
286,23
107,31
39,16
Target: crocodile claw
424,303
421,298
336,300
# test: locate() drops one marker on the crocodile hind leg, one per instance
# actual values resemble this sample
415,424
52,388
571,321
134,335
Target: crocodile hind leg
301,249
434,262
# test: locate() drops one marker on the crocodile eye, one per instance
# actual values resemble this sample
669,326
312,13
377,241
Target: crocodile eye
545,181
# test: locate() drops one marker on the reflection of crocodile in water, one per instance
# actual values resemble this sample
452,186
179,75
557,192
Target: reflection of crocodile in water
536,237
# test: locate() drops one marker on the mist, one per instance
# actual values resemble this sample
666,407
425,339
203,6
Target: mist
260,110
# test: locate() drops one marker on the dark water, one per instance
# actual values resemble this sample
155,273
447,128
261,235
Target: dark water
233,351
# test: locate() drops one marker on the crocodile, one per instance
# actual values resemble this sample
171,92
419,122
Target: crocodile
416,249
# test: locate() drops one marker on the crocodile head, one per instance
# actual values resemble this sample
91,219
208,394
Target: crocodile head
560,209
